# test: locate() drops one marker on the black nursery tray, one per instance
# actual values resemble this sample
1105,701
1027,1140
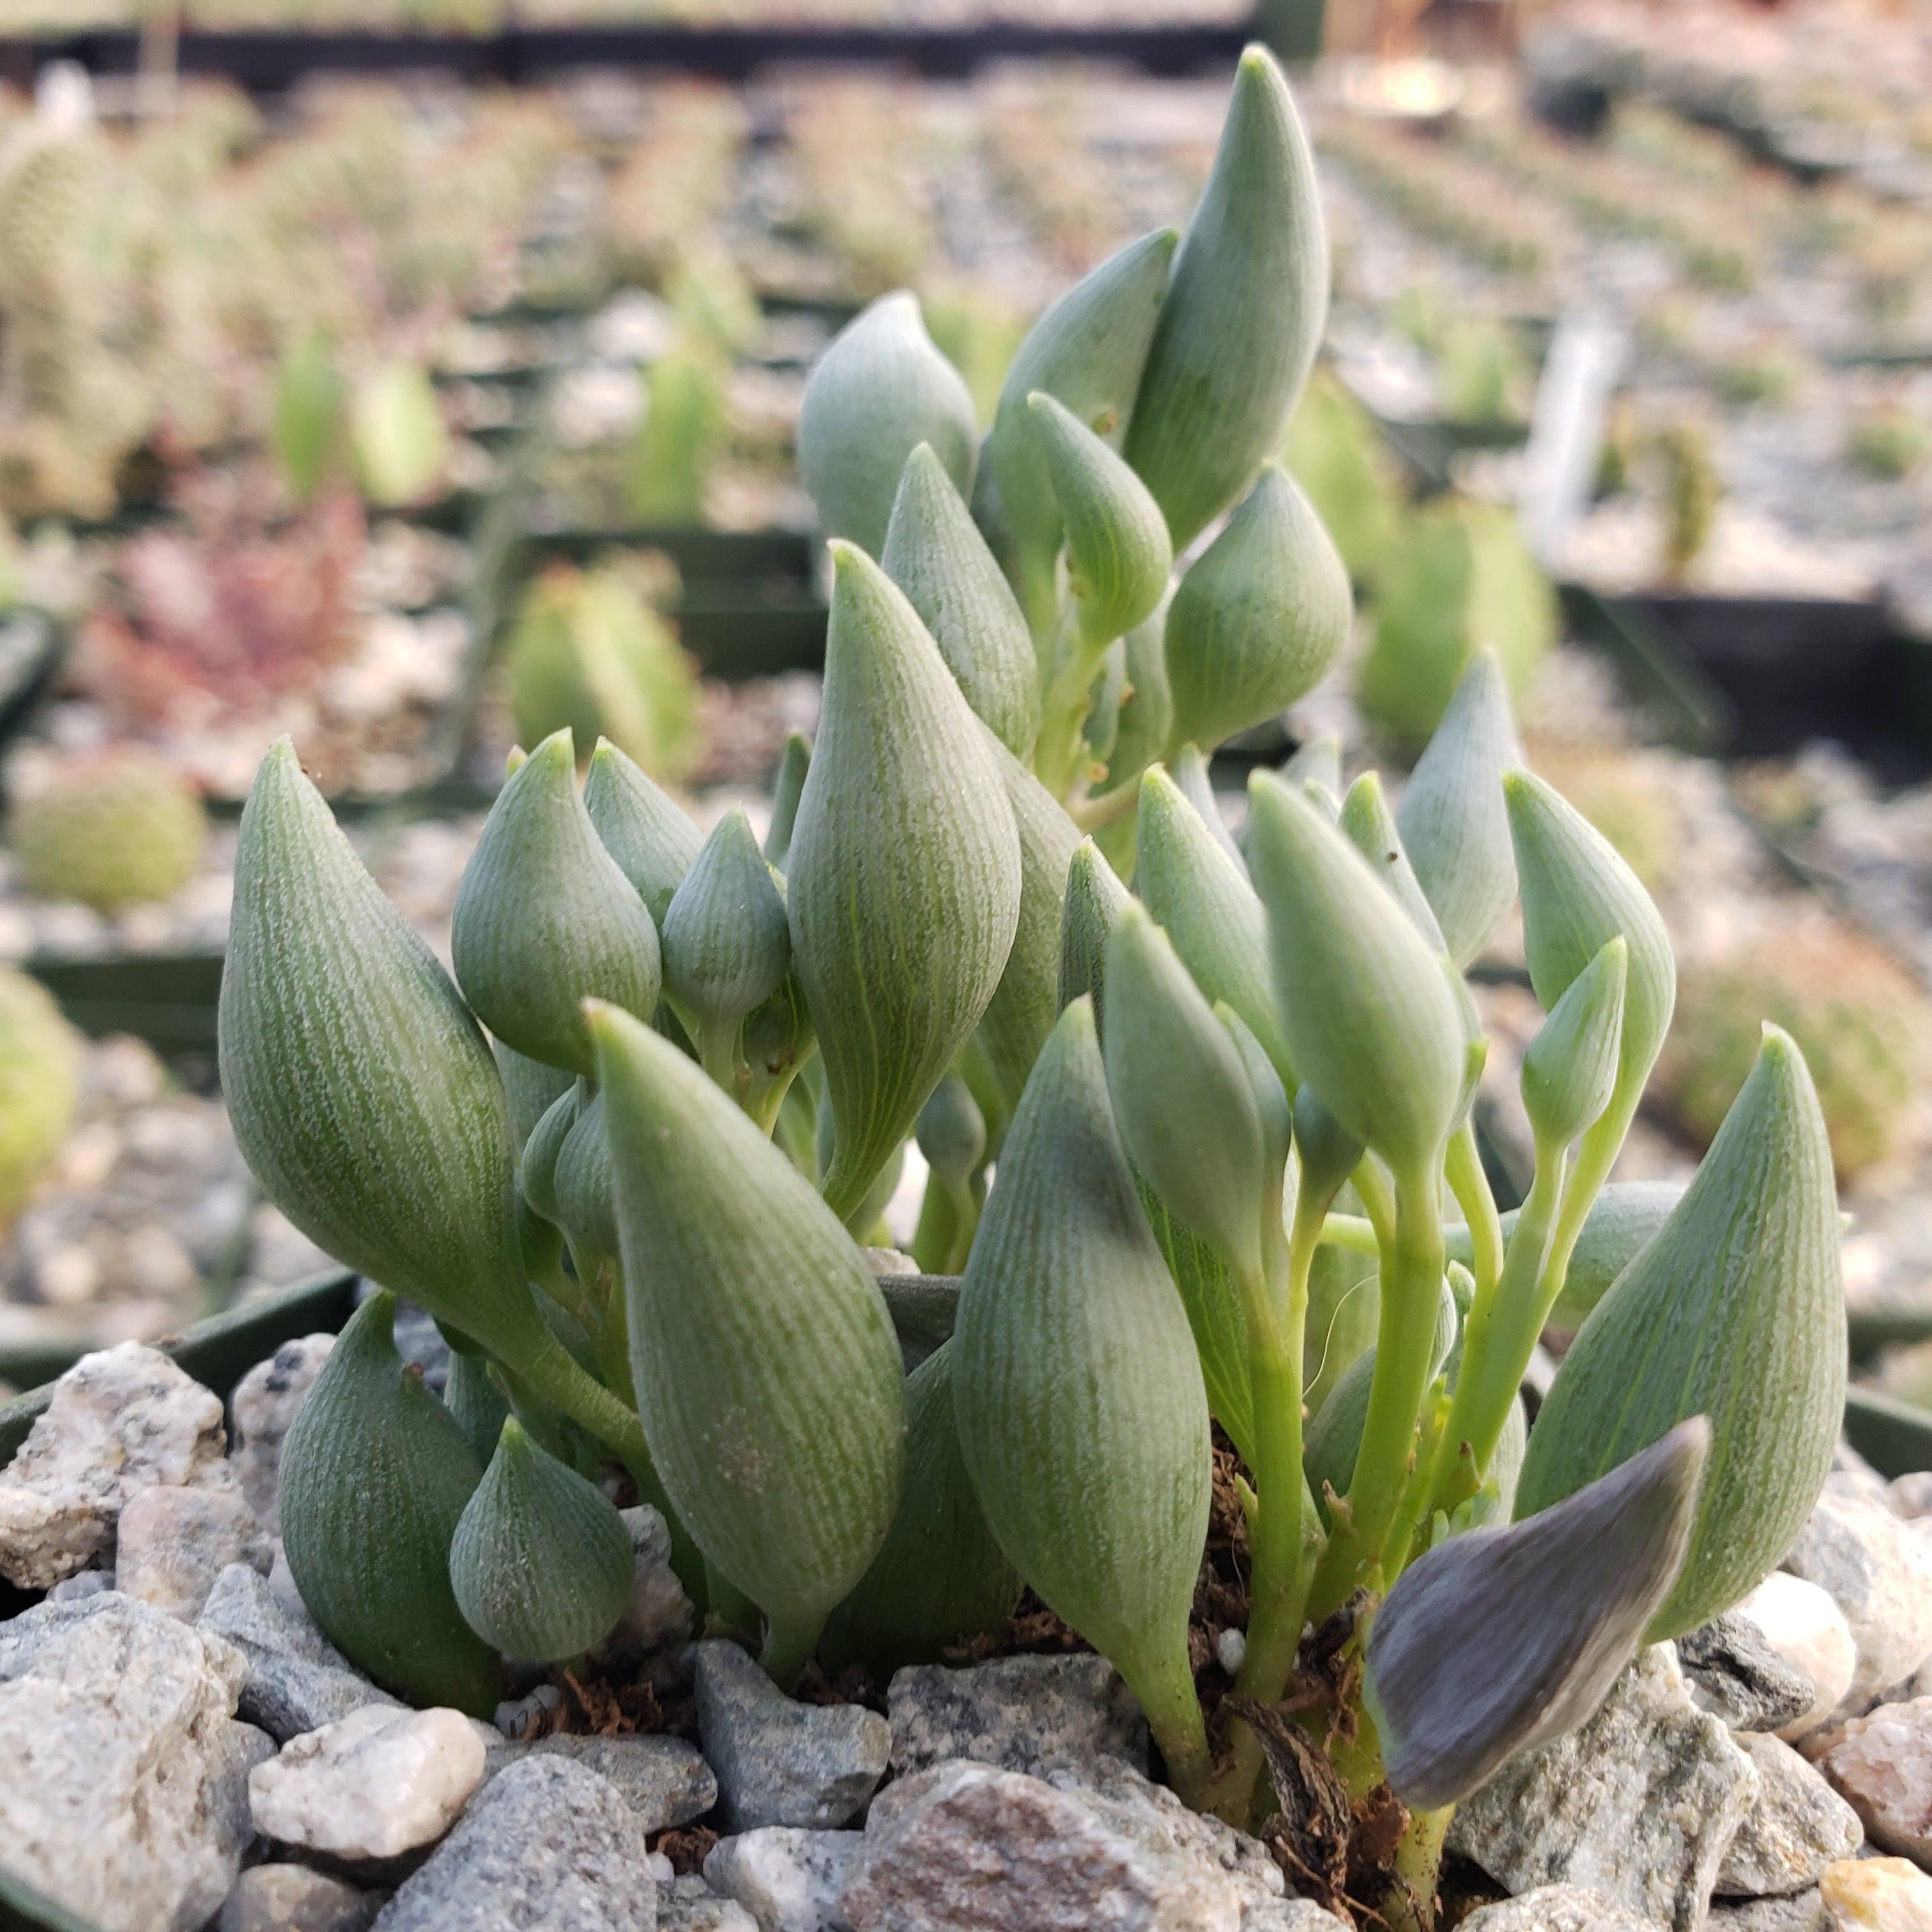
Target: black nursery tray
167,999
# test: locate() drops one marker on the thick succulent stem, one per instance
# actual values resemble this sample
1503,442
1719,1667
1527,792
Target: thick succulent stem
788,1643
1412,1906
1412,1273
1166,1694
1470,1185
1058,759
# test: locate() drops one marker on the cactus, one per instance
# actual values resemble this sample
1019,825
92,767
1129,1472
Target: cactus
1173,1131
1889,440
1692,490
397,430
39,1087
680,439
111,829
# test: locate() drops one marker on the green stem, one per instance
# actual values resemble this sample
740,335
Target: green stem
1165,1694
1355,1232
1411,1281
1058,758
1470,1186
788,1642
933,1239
1418,1866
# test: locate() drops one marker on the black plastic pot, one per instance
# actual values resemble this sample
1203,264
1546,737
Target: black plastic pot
715,558
167,999
1893,1437
23,1909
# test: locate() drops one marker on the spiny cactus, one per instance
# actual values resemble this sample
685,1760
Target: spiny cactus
39,1087
1150,1108
111,829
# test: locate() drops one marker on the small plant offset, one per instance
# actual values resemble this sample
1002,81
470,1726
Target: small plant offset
1225,1106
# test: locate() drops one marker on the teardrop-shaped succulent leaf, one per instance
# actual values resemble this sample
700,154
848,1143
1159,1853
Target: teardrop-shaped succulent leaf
1622,1220
1192,773
545,919
1182,1100
1578,894
880,389
1370,1015
1243,315
1216,1317
1371,828
1082,1412
1501,1640
538,1175
940,1578
1203,901
1087,349
904,879
1734,1310
472,1396
531,1087
1094,898
1452,817
361,1091
768,1378
376,1474
1144,721
935,553
1344,1311
1118,553
541,1563
1319,759
1023,1008
1569,1069
727,942
580,1183
786,790
1259,620
654,840
952,1133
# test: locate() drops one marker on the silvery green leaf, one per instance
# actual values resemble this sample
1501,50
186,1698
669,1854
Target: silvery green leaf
580,1183
1569,1069
1320,758
1452,819
785,791
1190,771
652,837
1369,1012
1118,553
1259,618
768,1378
1328,1152
376,1474
1271,1102
952,1132
472,1396
537,1177
530,1086
1734,1309
1502,1639
935,553
1371,827
880,389
1087,349
941,1578
1621,1220
1094,898
727,944
1201,896
545,919
1144,718
1022,1010
541,1563
362,1093
905,876
1080,1409
1577,894
1182,1099
1243,315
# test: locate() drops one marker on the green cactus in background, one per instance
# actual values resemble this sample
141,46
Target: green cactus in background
110,829
39,1087
1888,440
1693,490
1336,454
1863,1025
1461,581
681,437
400,441
1623,799
588,653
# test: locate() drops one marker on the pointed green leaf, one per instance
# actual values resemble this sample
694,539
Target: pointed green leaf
880,389
1191,771
1081,1413
537,1176
1118,553
1369,1014
472,1396
727,944
1371,828
1201,897
1094,898
541,1563
1569,1069
767,1376
935,553
952,1133
1320,759
1144,721
545,919
786,790
1243,315
1734,1310
654,840
586,1208
1500,1640
531,1087
375,1477
904,882
1259,620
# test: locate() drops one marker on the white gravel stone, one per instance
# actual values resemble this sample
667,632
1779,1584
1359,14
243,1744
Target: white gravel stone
1798,1826
1878,1895
1556,1908
121,1421
1016,1712
663,1780
293,1898
124,1795
1877,1568
380,1783
1882,1763
173,1542
1639,1803
688,1904
265,1401
1801,1911
658,1612
1802,1623
788,1880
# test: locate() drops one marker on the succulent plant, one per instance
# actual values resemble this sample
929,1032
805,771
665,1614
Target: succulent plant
1148,1114
1888,440
681,437
1692,490
111,829
39,1087
396,432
